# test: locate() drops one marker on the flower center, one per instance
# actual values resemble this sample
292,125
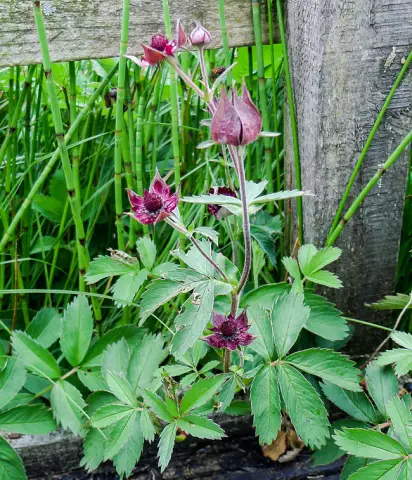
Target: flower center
159,42
228,329
152,202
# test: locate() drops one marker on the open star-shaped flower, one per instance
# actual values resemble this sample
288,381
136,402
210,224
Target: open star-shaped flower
229,332
156,204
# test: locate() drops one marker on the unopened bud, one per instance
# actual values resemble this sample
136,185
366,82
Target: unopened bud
200,36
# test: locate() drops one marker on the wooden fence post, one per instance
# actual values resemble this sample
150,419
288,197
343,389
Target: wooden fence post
345,56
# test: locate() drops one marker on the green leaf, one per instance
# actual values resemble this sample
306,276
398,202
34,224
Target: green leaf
158,406
194,318
353,464
324,319
109,414
277,196
304,406
209,233
146,249
166,444
93,451
11,466
264,296
323,277
67,404
160,292
21,399
36,357
77,330
201,392
129,333
116,358
368,444
329,365
289,315
92,379
119,434
200,427
261,328
12,379
145,360
98,400
44,244
175,370
238,408
355,404
227,393
45,326
131,451
126,287
146,425
403,339
401,418
209,366
382,385
392,302
401,357
194,259
305,255
49,207
292,267
28,419
120,387
104,267
383,470
323,257
265,400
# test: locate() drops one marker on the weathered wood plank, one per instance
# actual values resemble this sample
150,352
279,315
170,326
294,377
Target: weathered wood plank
80,29
342,71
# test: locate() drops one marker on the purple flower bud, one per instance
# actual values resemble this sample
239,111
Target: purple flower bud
219,211
236,121
200,36
229,332
156,204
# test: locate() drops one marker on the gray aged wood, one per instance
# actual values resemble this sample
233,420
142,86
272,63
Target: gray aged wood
342,69
81,29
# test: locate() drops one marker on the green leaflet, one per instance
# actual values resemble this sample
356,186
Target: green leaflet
200,427
166,444
12,379
261,327
109,414
304,406
67,405
146,249
77,330
27,419
383,470
201,392
119,434
382,385
11,466
130,452
126,287
104,267
265,402
93,451
45,326
401,418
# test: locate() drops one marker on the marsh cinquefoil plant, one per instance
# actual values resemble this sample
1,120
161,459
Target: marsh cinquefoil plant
127,386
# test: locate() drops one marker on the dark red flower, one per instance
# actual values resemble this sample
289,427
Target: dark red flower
219,211
160,47
236,121
156,204
229,332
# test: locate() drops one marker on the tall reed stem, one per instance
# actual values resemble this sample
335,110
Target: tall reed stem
225,42
293,124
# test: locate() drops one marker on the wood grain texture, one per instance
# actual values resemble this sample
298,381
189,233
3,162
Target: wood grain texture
81,29
339,51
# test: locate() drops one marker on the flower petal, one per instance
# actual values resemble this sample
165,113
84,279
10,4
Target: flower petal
241,320
152,56
226,126
145,217
249,116
171,203
231,344
214,341
245,339
159,186
136,201
181,37
218,319
142,62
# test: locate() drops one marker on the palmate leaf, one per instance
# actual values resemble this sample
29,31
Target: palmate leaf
146,249
353,464
289,315
35,357
67,404
227,394
92,379
200,427
265,403
120,387
355,404
194,318
195,260
326,278
304,406
400,356
261,328
131,451
116,358
201,392
328,365
109,414
119,434
392,302
126,287
45,326
166,444
146,425
369,444
382,470
27,419
157,405
105,267
11,466
311,262
77,330
382,385
401,418
93,451
12,379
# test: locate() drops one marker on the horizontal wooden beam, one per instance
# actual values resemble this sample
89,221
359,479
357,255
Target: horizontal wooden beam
82,29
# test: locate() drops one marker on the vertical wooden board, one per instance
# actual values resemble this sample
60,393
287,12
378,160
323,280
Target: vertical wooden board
344,58
81,29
